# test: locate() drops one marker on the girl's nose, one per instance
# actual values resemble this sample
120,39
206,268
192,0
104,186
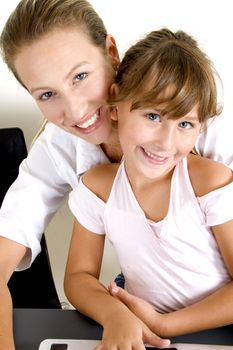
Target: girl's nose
166,137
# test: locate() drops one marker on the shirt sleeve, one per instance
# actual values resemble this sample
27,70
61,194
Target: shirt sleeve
217,205
45,177
87,208
216,141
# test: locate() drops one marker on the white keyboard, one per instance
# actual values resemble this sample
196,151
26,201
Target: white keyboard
84,344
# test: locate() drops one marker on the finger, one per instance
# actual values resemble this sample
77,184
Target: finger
120,293
154,340
113,288
103,346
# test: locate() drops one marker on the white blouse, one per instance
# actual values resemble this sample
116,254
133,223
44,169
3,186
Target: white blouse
171,263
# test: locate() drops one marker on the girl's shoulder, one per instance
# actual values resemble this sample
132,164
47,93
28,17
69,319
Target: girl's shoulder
100,179
207,175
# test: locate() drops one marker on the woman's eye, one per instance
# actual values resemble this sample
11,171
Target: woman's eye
154,117
186,125
46,95
80,76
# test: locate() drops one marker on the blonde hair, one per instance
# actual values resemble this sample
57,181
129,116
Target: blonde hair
42,127
32,19
166,61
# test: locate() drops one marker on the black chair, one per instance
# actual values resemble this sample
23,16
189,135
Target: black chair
34,287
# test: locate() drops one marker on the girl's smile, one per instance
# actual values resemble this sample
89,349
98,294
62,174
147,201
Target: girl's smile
154,158
154,144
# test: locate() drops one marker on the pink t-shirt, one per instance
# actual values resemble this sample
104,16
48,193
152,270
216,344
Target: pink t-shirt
171,263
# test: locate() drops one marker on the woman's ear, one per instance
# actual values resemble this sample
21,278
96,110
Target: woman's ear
114,90
113,93
112,51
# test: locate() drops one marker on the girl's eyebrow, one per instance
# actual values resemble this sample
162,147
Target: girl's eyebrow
191,117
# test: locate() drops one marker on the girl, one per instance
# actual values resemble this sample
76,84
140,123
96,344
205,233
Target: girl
167,211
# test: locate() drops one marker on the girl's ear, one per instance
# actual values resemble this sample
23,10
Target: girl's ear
113,93
114,114
112,51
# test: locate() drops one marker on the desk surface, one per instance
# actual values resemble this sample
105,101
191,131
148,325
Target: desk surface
32,326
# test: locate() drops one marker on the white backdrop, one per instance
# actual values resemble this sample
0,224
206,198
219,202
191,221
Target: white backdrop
209,21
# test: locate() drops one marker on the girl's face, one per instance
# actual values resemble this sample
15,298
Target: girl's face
153,144
69,79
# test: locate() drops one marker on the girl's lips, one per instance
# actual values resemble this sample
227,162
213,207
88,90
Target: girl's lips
154,158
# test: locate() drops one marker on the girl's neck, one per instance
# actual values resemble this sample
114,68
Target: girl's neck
151,194
140,182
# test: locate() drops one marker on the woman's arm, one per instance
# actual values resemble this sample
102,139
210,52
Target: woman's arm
10,255
45,177
122,329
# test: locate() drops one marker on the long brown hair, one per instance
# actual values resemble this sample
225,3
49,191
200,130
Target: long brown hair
166,61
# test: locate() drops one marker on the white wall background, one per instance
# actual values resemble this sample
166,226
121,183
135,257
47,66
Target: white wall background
209,21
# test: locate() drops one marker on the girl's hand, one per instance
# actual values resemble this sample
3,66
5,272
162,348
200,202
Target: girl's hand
125,331
141,308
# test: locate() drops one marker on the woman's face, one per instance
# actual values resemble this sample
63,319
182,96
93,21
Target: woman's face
69,78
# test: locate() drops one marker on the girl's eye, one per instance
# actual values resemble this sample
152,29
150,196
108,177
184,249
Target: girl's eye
155,117
46,96
185,125
80,76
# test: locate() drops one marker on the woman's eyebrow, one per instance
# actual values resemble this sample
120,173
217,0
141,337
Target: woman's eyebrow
77,66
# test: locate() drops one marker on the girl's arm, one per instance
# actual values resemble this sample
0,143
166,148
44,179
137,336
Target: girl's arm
216,310
122,329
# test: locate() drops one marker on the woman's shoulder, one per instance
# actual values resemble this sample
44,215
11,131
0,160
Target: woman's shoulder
100,178
54,138
207,175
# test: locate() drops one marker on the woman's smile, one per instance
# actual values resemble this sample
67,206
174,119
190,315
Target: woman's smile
71,88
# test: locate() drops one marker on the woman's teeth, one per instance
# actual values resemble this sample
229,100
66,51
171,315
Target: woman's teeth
89,122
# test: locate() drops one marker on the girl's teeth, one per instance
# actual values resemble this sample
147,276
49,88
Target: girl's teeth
89,122
154,156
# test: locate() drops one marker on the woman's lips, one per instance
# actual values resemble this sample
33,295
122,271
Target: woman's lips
90,121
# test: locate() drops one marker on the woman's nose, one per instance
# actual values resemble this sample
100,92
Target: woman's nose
74,107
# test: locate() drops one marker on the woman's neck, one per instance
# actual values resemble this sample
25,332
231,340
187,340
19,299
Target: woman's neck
112,147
